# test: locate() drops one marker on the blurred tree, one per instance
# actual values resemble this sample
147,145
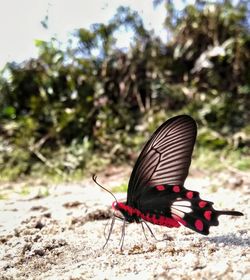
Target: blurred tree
59,107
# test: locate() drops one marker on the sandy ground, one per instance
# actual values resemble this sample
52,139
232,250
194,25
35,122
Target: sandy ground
60,236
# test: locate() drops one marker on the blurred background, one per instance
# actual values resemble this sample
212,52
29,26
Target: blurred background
83,85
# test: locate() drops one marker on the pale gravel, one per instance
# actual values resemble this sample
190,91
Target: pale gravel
61,237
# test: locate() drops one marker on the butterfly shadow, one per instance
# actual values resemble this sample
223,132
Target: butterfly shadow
230,239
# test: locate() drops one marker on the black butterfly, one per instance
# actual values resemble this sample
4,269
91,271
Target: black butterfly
156,193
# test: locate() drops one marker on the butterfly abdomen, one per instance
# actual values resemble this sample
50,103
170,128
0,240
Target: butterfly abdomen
132,214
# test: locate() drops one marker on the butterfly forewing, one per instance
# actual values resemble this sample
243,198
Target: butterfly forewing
166,157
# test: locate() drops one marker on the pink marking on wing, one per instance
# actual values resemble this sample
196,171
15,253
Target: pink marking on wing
179,219
199,225
207,215
160,188
189,195
202,204
176,189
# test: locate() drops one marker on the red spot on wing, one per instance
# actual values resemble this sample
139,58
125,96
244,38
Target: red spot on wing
207,215
202,204
199,225
160,188
189,195
176,189
179,219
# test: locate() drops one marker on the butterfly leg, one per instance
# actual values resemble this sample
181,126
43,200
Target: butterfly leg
143,229
104,232
151,232
116,218
123,234
110,231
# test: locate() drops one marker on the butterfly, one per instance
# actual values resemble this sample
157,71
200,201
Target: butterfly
156,191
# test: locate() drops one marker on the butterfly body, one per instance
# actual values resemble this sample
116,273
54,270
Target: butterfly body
132,214
156,191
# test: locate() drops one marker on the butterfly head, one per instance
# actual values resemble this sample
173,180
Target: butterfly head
118,207
118,210
115,205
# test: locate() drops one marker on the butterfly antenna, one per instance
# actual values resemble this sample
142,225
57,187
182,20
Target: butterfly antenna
94,177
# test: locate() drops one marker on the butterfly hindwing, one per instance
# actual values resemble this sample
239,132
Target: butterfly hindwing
183,205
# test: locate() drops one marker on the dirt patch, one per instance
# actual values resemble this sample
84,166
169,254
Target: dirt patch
61,237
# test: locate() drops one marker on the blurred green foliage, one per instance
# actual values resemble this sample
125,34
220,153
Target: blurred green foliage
93,104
